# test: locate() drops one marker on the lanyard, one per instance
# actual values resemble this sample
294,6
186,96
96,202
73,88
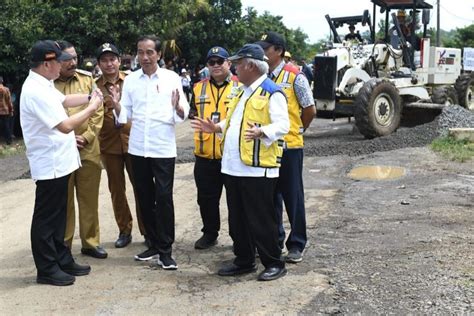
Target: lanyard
219,93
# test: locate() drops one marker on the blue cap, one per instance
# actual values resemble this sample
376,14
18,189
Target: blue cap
253,51
217,51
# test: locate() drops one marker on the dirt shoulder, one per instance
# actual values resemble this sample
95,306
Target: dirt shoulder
368,253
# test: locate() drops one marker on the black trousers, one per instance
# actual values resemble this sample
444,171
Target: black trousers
48,226
6,125
154,179
209,183
252,220
290,190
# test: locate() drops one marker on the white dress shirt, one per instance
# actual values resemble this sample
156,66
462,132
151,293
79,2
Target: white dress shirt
146,101
51,153
280,125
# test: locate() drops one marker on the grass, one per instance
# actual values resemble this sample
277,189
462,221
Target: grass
17,147
453,149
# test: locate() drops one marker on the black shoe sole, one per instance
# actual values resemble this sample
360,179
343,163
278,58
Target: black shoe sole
206,246
237,272
123,245
77,272
92,253
49,281
277,276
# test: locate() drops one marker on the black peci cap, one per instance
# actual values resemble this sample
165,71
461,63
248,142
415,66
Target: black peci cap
107,48
48,50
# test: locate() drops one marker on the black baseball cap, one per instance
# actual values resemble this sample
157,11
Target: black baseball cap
253,51
107,48
46,50
272,38
217,51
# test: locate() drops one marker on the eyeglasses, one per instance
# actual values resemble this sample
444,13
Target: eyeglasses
212,62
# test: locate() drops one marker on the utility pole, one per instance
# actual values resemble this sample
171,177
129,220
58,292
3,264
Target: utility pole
438,29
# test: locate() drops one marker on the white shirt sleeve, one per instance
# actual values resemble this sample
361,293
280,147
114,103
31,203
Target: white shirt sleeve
280,123
50,113
183,102
125,103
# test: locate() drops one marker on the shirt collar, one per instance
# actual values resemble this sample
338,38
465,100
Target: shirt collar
102,81
256,83
226,80
158,70
40,79
278,69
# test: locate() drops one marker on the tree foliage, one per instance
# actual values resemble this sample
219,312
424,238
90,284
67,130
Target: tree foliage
188,27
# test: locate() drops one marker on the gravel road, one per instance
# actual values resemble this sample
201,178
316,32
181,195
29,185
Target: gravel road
395,246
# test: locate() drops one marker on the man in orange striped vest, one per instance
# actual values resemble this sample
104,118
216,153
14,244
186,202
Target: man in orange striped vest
209,100
301,111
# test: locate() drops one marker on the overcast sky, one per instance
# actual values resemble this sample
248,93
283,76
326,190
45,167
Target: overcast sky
309,14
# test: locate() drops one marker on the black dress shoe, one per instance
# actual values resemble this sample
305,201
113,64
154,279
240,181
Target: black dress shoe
58,278
233,269
272,273
205,242
76,269
97,252
123,240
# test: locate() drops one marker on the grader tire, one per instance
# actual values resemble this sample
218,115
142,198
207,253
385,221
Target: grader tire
465,90
377,108
446,95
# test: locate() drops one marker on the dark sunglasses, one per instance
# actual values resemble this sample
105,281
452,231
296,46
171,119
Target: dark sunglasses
212,62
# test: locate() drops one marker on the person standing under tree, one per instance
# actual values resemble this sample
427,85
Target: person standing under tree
153,99
113,139
210,98
84,182
52,154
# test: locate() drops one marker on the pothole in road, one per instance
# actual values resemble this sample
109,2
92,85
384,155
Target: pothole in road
376,173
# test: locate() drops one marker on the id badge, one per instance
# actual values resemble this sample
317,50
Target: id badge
215,117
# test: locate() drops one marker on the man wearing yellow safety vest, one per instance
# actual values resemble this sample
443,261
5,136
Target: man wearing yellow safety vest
210,99
256,121
301,111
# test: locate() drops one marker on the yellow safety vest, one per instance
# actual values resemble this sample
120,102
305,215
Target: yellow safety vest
209,100
286,79
257,111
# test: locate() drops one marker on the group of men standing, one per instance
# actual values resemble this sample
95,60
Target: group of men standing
248,137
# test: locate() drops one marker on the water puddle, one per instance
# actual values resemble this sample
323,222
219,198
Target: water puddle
377,173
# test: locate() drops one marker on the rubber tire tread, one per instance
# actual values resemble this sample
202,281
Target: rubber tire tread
362,107
441,94
461,86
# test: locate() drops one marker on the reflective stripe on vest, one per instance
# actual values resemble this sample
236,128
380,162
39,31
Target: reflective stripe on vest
208,145
286,79
256,111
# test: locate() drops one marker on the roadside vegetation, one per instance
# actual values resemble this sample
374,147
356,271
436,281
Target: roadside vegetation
17,147
453,149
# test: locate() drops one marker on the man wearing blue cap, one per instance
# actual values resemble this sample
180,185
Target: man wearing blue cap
301,111
256,122
209,100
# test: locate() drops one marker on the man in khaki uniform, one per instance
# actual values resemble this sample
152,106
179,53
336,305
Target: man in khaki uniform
114,144
86,179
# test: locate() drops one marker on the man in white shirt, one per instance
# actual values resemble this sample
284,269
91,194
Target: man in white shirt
153,99
53,156
257,119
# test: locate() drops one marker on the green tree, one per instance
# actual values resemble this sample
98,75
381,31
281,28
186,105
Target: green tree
463,37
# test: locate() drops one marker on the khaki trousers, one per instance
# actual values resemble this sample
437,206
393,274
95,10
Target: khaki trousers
114,166
85,182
